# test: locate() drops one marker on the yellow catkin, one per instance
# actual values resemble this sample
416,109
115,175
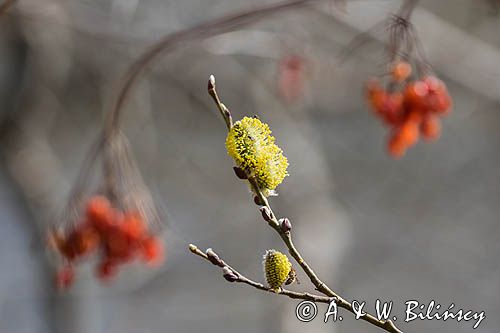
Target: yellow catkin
277,268
251,145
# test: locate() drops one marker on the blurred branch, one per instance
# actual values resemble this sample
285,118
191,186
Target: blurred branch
456,53
198,32
402,17
238,277
407,8
284,231
4,7
168,43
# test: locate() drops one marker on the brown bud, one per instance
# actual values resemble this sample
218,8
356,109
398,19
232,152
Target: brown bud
214,258
240,173
229,275
257,201
285,225
266,213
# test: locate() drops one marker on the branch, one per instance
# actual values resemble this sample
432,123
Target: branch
232,275
284,231
271,219
198,32
168,43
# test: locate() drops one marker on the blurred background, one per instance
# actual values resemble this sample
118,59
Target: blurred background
424,227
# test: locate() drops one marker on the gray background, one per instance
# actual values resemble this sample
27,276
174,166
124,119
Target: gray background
424,227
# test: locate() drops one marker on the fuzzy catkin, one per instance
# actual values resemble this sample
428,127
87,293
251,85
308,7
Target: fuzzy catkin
251,145
276,268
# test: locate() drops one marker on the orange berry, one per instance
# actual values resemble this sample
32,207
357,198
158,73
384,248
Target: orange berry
133,225
438,99
396,146
118,245
376,98
440,102
88,239
392,110
408,133
65,278
431,128
415,94
401,71
99,212
81,241
415,116
153,251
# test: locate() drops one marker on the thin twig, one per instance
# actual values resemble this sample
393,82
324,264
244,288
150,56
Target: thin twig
387,325
243,279
286,236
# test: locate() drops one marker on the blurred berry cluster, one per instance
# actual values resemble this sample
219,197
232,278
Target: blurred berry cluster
116,236
409,106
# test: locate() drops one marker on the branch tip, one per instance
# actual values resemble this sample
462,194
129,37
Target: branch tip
211,84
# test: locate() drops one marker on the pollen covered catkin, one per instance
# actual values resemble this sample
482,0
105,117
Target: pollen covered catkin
251,145
277,268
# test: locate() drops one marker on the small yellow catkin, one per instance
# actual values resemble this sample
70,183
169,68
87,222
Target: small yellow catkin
251,145
276,268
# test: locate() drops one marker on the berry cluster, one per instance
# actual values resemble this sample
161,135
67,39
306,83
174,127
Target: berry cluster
409,107
118,236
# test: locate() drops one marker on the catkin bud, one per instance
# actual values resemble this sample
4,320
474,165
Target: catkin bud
258,201
285,224
229,275
211,83
214,258
277,268
266,213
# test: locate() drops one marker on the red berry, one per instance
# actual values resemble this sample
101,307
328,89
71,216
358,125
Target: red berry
431,128
118,245
401,71
376,95
415,94
99,212
133,226
153,251
83,240
392,110
396,146
409,133
65,278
